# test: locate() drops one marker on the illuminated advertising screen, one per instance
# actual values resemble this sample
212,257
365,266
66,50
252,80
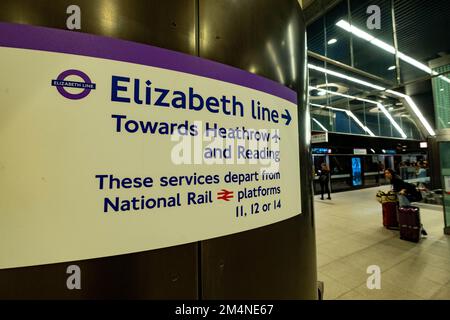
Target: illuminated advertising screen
356,172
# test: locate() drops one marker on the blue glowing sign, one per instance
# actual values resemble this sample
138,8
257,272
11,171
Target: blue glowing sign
356,172
321,150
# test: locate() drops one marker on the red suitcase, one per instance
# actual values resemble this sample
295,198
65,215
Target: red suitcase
390,215
410,224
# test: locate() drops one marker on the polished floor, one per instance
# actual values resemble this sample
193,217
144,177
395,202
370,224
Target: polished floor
351,237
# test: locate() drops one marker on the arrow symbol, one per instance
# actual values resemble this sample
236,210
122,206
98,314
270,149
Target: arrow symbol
287,116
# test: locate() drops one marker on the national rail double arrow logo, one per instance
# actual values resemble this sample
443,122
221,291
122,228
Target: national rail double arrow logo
225,195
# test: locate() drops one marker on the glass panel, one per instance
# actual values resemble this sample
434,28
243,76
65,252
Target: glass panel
445,167
371,118
385,126
316,37
367,56
337,40
340,165
422,32
441,91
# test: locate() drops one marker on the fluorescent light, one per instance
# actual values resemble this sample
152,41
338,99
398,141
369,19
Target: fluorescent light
395,124
332,92
382,108
357,32
373,151
343,76
320,125
291,50
415,109
332,41
396,93
384,151
386,47
352,115
392,68
420,115
383,45
391,108
414,62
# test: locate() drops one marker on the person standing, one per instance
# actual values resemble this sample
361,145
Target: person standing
324,180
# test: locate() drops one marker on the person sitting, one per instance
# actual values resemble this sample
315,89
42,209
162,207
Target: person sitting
406,192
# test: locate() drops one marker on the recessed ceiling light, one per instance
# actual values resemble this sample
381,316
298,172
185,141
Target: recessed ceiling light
399,104
391,108
392,68
442,89
332,41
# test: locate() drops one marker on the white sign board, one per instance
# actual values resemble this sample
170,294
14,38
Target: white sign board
360,151
110,147
319,137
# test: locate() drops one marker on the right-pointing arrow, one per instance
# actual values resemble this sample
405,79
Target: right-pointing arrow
287,116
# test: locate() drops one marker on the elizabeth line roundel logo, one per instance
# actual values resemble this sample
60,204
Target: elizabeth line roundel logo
86,85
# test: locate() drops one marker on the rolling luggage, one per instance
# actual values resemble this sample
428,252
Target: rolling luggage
410,225
390,215
389,196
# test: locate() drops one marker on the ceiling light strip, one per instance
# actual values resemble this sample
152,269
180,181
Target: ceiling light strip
349,114
383,45
415,109
395,124
382,108
320,125
343,76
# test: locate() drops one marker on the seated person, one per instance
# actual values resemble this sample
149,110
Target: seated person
406,192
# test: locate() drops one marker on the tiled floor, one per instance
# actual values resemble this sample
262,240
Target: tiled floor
351,237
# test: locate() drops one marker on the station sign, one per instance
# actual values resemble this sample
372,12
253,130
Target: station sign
110,147
360,151
319,137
